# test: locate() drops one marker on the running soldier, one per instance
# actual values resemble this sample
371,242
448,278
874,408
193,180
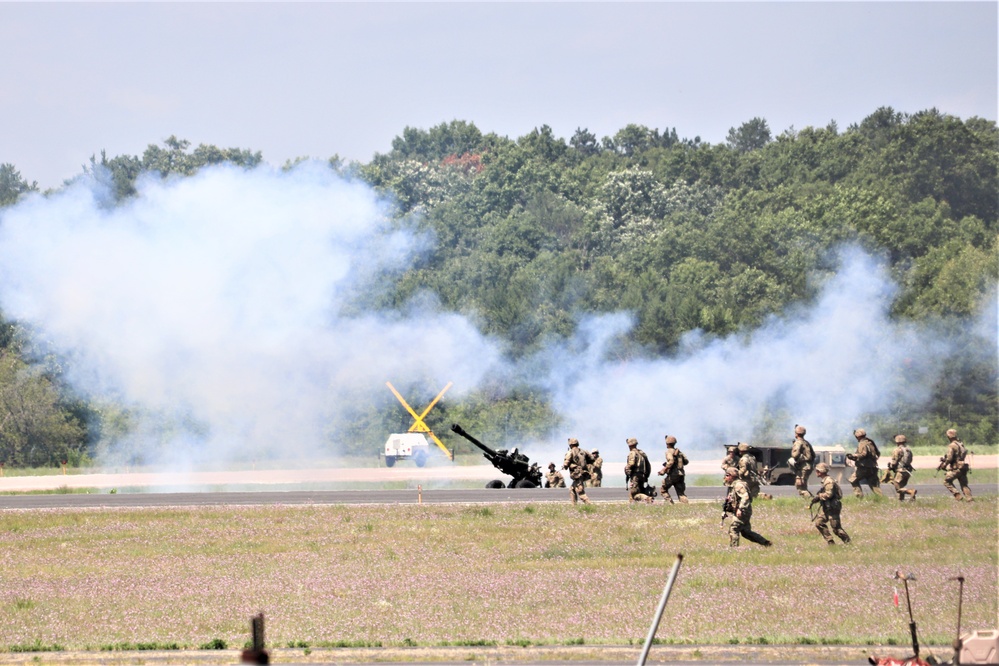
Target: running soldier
596,470
955,464
576,461
636,471
672,472
739,503
802,458
554,478
829,498
866,460
900,468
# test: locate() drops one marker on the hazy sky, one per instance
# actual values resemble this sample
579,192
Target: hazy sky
320,79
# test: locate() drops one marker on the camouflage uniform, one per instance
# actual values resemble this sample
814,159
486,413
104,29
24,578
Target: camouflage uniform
672,472
900,468
554,478
596,470
804,457
731,459
749,470
955,463
740,504
576,461
829,498
866,470
635,469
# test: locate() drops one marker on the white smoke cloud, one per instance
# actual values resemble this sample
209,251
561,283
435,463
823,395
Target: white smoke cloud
825,366
216,300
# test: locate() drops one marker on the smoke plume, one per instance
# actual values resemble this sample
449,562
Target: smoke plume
227,309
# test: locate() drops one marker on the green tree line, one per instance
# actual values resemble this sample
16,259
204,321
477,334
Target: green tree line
685,234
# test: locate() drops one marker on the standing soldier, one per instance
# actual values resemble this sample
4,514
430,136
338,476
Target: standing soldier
731,459
637,471
554,478
866,460
829,499
802,457
596,469
739,503
900,468
955,463
672,472
576,461
749,470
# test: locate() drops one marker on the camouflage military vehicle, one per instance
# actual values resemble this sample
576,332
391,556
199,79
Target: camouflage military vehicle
775,467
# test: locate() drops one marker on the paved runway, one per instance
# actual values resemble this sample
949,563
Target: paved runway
407,496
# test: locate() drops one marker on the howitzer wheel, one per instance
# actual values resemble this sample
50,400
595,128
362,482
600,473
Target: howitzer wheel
523,483
495,483
389,461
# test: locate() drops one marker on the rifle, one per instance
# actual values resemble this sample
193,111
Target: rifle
943,463
727,507
889,474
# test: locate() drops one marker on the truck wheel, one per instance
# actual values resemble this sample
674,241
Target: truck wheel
389,461
784,480
496,483
420,458
525,483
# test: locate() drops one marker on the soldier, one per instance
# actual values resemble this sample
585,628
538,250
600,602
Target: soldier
749,470
866,460
802,457
554,478
576,461
596,469
900,468
731,459
954,462
829,499
739,503
672,472
636,471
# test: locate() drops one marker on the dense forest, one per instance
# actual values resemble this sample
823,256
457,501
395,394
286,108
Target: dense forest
685,234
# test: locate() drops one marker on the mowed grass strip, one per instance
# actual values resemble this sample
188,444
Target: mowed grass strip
506,574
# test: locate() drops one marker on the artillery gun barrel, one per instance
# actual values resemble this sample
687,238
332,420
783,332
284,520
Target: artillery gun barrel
458,430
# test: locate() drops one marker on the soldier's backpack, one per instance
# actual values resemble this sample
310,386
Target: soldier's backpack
874,447
962,453
807,452
644,466
906,460
580,468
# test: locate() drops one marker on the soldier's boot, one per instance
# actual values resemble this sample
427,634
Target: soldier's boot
857,492
734,542
877,491
651,500
767,543
586,500
912,494
967,494
683,499
958,496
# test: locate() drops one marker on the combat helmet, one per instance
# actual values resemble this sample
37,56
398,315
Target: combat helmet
859,432
952,433
631,441
670,439
573,441
822,468
900,439
799,430
743,447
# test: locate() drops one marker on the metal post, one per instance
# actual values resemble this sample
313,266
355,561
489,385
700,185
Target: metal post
660,609
958,644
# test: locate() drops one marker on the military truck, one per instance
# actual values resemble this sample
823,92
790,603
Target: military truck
406,446
775,467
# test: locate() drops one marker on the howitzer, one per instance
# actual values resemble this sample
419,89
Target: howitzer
517,465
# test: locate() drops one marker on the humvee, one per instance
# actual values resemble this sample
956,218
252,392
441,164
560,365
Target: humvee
776,470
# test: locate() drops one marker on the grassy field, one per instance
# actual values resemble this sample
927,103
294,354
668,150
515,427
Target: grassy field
509,574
